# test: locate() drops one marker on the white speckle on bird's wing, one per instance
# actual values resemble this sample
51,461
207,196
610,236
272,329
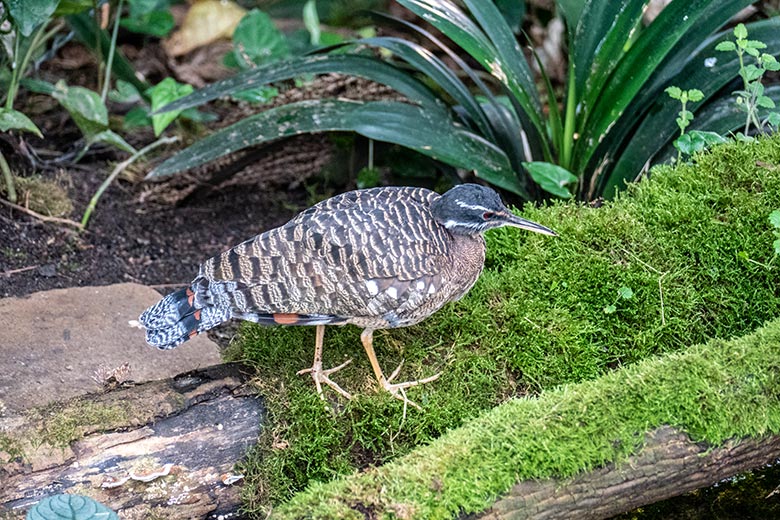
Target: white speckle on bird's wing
373,288
392,292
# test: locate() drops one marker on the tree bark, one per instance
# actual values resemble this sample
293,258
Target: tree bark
165,450
668,465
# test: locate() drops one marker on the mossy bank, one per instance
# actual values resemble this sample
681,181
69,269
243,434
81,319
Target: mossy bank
693,245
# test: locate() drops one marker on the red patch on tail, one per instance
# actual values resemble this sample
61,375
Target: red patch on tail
197,314
193,333
286,319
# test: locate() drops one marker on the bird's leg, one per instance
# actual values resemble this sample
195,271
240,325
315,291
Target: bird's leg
397,390
318,374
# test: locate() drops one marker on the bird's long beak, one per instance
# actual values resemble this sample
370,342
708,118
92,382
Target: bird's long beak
519,222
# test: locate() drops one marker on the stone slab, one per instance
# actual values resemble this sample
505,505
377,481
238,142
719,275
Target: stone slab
52,343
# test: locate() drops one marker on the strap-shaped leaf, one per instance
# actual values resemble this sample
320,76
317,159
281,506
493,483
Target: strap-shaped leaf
362,66
634,70
512,60
627,151
601,35
456,25
430,132
424,61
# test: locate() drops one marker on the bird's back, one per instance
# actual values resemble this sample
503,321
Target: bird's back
376,258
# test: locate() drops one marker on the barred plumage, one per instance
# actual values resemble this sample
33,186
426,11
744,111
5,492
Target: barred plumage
377,258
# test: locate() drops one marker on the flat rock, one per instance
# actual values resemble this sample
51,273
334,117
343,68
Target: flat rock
53,343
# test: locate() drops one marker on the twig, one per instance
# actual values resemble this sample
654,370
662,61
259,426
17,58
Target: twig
119,169
44,218
20,270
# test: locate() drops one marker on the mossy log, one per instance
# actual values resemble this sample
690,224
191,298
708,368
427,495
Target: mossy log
163,449
669,464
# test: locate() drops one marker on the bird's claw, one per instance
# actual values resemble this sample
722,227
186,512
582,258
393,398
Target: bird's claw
321,376
398,390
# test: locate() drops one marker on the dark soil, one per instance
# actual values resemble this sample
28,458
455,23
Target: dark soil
130,241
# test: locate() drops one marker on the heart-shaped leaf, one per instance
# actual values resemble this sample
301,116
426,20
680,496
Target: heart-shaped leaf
257,40
163,93
30,14
70,507
14,120
85,107
551,178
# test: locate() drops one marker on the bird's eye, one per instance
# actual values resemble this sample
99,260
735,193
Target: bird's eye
488,215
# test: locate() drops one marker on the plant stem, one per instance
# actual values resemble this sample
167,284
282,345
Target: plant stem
569,122
119,169
111,51
9,179
371,153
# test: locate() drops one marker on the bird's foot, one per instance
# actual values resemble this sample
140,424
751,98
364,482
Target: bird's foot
398,390
321,376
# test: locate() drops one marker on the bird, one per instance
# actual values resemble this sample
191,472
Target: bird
377,258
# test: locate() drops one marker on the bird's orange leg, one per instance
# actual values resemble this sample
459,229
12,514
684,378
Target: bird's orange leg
397,390
318,374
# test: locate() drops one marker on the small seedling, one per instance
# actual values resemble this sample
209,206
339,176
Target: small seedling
695,140
752,97
774,219
624,293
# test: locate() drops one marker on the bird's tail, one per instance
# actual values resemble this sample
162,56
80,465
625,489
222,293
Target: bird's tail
175,319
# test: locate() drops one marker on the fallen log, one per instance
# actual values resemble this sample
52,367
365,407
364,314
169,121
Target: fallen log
668,465
163,449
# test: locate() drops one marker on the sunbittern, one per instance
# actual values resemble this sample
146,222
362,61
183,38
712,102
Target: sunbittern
377,258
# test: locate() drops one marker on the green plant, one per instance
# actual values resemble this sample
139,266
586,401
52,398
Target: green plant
29,32
752,97
623,293
774,219
70,507
611,123
696,140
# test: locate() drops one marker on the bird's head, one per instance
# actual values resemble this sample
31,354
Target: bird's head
469,209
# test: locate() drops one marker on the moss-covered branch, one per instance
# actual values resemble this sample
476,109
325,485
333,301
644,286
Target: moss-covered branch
714,392
694,245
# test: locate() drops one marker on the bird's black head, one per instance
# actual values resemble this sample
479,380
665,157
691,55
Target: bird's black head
470,209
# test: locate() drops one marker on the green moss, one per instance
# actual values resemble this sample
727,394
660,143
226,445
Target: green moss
59,425
693,244
721,390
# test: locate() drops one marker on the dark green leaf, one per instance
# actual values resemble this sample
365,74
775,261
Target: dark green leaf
163,93
156,23
85,107
426,62
361,66
70,507
67,7
774,218
513,12
28,15
603,32
551,178
136,118
257,95
367,178
139,8
112,138
431,133
628,148
14,120
256,40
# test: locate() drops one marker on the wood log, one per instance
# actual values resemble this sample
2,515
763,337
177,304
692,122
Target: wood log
162,449
668,465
